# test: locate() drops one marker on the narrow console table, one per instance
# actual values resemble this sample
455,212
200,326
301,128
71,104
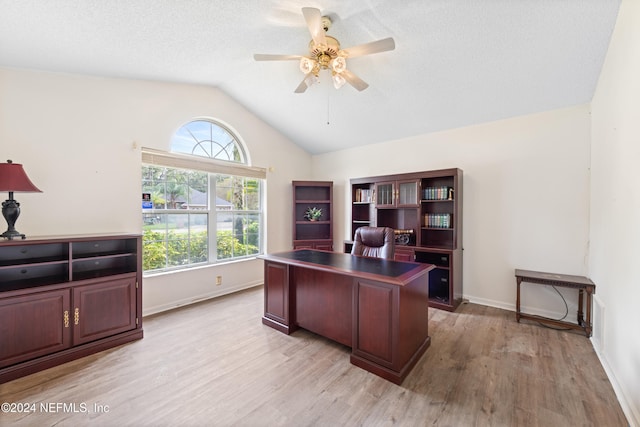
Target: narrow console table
377,307
583,284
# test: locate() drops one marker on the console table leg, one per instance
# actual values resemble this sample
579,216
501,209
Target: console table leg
588,326
580,302
518,299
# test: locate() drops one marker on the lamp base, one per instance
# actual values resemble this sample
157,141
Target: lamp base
11,211
10,235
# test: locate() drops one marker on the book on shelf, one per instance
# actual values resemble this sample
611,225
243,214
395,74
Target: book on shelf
363,195
437,193
438,220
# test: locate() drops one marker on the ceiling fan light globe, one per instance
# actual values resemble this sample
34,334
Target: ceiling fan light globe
338,81
307,65
338,64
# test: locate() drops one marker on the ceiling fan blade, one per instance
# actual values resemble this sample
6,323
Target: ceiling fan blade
354,80
372,47
302,86
314,22
269,57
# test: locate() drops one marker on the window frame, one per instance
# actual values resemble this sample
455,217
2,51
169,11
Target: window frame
213,167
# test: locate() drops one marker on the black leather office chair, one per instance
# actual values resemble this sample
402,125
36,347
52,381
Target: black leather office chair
375,242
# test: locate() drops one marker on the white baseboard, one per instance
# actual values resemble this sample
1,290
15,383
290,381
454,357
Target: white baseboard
631,412
523,308
148,311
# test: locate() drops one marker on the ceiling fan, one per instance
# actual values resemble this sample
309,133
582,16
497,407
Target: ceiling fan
325,54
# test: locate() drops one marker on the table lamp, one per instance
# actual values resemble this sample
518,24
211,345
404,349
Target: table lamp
13,179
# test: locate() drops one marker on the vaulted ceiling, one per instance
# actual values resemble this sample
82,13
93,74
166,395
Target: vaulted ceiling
456,62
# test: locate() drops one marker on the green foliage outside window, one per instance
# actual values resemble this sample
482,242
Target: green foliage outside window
159,253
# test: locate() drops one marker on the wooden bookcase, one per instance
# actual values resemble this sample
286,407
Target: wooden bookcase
62,298
427,206
313,234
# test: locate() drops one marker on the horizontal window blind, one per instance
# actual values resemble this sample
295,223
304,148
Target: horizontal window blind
182,161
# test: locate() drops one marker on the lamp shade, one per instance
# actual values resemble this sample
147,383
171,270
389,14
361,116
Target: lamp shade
13,178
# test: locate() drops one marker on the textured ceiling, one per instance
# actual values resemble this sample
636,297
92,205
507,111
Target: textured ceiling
456,62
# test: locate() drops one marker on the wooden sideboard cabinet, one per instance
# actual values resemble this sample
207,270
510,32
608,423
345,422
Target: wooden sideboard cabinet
62,298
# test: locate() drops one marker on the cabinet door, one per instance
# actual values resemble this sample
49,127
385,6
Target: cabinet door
34,325
408,193
103,309
385,194
397,194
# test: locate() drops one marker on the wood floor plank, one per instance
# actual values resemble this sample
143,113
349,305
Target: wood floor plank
215,364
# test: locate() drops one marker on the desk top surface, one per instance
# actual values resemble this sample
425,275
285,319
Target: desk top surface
350,264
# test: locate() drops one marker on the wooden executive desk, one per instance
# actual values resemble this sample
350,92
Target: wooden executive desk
377,307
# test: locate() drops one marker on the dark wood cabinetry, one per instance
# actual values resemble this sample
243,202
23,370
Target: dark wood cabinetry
62,298
313,234
427,206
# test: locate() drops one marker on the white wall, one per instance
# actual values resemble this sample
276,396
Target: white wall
615,209
526,198
79,139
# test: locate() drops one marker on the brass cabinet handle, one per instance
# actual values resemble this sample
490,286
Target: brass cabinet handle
65,318
76,316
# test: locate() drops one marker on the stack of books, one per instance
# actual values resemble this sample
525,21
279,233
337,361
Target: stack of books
437,220
437,193
363,195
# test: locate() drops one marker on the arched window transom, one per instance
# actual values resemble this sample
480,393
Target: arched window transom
207,138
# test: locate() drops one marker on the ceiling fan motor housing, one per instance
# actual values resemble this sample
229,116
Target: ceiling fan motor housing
325,53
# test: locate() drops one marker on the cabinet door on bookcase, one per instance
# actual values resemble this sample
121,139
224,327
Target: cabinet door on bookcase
402,193
407,192
385,193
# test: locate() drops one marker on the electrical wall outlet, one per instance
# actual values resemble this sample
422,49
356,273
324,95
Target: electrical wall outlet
218,280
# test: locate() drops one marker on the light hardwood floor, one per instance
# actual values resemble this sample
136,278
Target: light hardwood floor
215,364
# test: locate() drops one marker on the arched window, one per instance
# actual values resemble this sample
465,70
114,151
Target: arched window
207,138
200,210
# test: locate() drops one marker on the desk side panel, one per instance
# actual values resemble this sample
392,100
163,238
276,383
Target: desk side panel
377,320
414,318
276,294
